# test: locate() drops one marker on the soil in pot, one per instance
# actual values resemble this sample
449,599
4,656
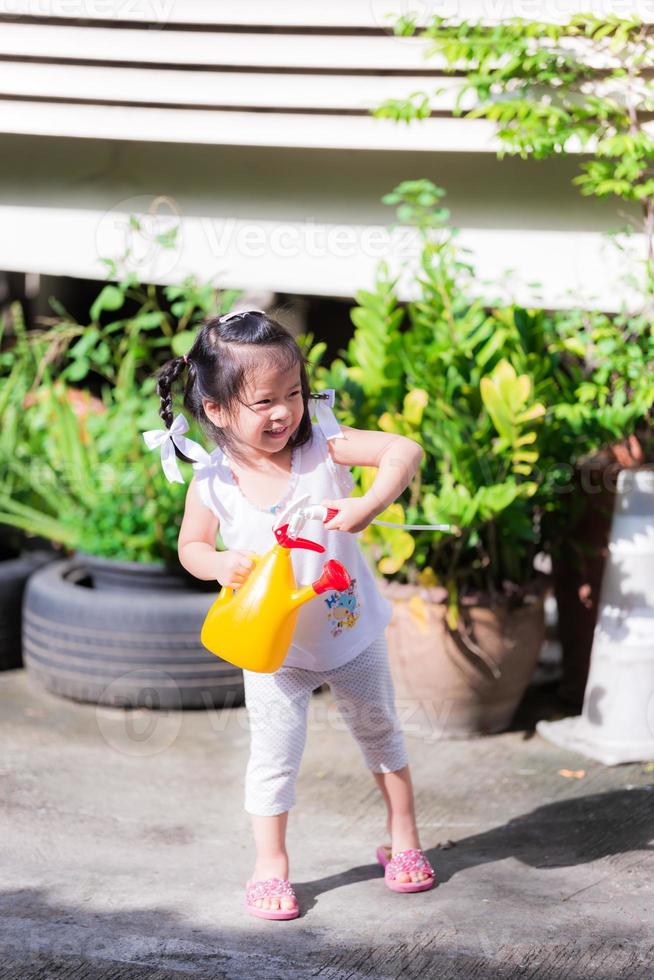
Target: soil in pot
111,574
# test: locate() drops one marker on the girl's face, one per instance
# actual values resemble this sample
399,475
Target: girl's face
271,402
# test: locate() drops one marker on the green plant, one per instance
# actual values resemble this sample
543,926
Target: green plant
151,325
73,465
493,396
536,81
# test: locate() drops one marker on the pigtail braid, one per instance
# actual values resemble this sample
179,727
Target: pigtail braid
167,375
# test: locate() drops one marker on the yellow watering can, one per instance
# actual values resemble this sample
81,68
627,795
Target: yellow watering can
253,628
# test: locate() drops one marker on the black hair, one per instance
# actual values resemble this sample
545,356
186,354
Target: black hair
225,356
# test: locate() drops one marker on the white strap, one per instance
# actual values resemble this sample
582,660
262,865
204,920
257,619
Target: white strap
416,527
167,439
332,430
324,415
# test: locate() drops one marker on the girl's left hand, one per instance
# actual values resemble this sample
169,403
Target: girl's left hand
354,514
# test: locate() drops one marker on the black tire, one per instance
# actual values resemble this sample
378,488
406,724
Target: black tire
124,649
14,573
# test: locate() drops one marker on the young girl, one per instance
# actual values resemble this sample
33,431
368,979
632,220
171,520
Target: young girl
247,385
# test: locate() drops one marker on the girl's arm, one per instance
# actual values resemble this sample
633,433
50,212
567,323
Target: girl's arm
196,546
397,458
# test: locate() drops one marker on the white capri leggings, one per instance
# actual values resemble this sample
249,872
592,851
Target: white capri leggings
277,706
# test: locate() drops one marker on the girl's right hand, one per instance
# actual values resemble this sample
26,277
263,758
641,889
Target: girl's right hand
233,567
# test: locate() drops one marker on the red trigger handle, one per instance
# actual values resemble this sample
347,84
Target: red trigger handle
331,512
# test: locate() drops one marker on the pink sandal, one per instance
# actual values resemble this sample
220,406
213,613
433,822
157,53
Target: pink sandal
411,859
271,887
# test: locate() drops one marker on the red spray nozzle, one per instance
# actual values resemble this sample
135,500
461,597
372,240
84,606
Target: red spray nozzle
334,576
288,541
281,533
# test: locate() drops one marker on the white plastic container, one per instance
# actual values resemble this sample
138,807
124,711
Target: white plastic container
617,720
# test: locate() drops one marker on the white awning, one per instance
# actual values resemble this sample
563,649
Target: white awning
254,119
313,257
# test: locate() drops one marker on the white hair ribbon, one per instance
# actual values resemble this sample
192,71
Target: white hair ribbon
167,439
326,419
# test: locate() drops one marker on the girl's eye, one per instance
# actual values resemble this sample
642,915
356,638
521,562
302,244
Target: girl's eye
266,400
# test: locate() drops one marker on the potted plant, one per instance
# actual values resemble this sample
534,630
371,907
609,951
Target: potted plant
492,393
464,382
532,79
74,471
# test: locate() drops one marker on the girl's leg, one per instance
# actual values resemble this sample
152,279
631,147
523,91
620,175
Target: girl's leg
270,843
397,790
277,706
272,859
363,691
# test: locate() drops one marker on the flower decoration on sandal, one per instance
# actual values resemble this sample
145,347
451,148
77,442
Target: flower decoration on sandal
270,888
405,862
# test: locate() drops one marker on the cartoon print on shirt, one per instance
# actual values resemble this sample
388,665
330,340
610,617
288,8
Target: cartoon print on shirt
344,608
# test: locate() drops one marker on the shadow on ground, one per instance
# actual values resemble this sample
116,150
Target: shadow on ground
43,940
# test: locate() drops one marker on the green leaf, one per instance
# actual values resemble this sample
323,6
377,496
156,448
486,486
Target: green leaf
182,342
77,370
110,298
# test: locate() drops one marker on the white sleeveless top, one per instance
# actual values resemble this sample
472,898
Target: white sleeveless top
331,628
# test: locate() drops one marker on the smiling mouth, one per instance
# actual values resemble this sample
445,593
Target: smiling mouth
275,432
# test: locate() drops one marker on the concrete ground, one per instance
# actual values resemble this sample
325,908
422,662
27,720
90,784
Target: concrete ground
125,849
